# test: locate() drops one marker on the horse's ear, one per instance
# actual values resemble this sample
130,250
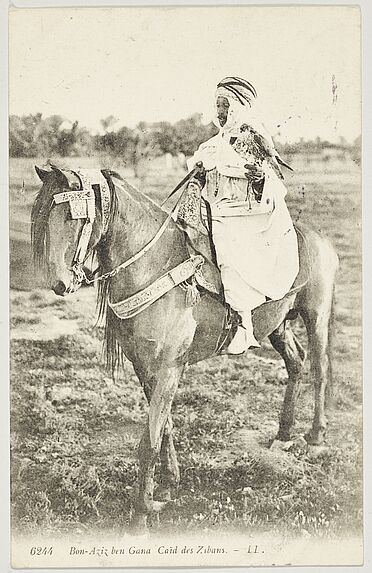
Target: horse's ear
60,175
42,173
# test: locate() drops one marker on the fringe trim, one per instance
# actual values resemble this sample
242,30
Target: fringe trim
113,353
192,292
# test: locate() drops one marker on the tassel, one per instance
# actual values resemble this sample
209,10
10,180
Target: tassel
192,293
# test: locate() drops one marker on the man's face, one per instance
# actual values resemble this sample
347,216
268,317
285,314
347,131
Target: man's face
222,105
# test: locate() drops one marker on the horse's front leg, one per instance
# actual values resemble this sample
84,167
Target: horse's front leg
160,391
170,473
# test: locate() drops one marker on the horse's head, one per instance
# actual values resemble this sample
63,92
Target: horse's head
67,224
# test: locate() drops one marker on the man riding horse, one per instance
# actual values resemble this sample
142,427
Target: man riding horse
254,238
146,274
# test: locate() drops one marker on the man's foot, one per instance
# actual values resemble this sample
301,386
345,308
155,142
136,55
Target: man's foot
241,342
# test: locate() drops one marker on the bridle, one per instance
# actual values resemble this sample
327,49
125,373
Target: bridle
83,206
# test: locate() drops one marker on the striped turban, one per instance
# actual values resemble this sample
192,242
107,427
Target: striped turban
238,89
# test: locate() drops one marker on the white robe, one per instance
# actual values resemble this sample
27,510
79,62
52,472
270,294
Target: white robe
256,243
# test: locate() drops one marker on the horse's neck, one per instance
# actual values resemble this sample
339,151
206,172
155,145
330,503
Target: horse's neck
137,222
139,219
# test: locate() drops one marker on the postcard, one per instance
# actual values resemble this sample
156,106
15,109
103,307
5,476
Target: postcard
185,286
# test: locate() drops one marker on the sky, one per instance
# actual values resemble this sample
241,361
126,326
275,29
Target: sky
164,63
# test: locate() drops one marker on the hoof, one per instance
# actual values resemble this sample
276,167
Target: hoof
157,506
316,451
299,447
279,445
300,442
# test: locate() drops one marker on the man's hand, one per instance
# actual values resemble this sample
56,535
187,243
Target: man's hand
200,174
254,173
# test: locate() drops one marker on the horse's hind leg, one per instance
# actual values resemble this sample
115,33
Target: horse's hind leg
317,309
329,391
317,325
286,343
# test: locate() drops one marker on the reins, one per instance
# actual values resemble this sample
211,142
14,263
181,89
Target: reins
181,183
135,257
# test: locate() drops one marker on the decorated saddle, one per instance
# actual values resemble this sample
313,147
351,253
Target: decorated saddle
194,217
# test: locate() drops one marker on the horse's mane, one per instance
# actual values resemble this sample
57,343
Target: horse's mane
114,355
113,351
39,222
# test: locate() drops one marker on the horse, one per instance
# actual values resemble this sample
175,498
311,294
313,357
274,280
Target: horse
135,242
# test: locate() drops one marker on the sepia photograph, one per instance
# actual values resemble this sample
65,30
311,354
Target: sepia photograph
185,221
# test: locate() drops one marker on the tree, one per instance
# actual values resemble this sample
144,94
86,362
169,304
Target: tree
190,133
356,150
118,144
48,135
23,136
108,122
33,135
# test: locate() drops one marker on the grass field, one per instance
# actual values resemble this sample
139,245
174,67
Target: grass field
74,431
